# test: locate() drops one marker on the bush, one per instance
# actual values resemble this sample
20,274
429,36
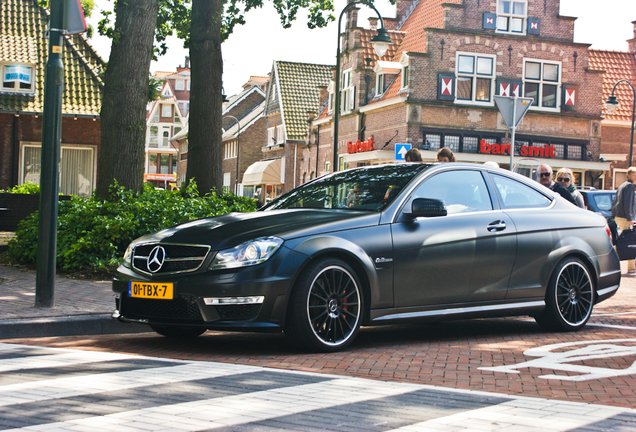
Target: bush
24,188
93,233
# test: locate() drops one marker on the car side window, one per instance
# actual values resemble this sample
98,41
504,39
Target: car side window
461,191
515,194
603,201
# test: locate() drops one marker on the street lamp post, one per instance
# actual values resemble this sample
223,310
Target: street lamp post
238,136
380,42
612,104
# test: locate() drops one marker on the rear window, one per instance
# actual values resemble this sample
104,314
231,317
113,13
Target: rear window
603,201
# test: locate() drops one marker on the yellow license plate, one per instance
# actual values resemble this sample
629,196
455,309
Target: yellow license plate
160,291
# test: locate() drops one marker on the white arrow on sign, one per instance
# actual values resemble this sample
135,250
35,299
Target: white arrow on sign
402,152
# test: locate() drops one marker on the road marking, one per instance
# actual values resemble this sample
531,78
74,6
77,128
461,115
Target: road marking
564,360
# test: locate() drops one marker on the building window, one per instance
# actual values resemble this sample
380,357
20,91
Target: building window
176,130
178,85
166,110
280,134
342,164
379,84
511,16
405,77
230,150
347,95
541,82
18,78
154,133
77,168
227,178
327,166
188,85
166,138
475,75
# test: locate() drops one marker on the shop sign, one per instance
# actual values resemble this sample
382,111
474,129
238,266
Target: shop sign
360,147
546,151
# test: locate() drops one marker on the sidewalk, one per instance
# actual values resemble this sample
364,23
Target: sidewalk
81,307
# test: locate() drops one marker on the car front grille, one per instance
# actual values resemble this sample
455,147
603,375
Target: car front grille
178,258
183,309
238,312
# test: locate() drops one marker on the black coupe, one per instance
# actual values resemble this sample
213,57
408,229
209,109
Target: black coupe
370,246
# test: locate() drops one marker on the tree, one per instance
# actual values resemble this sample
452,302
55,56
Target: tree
203,29
126,81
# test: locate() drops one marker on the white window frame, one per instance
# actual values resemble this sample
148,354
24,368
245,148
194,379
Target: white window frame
188,84
509,16
541,82
230,150
474,76
166,108
406,70
331,98
347,94
271,136
179,85
380,79
16,83
280,134
63,147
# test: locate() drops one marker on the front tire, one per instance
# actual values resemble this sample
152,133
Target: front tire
178,332
325,307
569,297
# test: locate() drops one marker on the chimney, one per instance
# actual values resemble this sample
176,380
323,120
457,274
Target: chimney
324,94
631,43
373,23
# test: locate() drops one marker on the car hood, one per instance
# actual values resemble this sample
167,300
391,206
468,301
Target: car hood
221,232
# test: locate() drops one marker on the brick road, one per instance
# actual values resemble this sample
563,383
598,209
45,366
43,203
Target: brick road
446,354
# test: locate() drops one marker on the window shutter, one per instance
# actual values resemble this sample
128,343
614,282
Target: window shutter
534,26
489,21
569,98
446,87
508,87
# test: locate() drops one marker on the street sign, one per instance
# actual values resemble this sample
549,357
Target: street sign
74,21
400,151
508,105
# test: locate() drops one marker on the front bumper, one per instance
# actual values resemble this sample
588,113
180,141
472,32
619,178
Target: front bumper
249,298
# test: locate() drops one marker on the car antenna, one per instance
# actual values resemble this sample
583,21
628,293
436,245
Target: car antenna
387,143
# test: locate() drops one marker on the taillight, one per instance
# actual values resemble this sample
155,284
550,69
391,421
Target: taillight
608,231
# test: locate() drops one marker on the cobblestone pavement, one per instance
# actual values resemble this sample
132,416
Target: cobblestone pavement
68,390
450,354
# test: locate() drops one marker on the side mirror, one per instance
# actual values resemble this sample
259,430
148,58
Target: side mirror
427,207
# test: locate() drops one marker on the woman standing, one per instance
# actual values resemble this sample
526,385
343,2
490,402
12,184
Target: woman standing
565,177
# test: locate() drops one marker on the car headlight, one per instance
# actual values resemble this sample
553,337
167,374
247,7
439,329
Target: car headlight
128,255
249,253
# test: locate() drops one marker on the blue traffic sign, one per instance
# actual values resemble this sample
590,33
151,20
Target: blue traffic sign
400,151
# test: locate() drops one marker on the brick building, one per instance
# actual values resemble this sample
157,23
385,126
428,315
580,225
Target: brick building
23,57
292,94
434,88
617,127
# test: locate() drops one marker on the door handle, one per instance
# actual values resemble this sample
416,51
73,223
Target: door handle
497,226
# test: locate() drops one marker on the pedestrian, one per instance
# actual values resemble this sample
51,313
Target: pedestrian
565,177
623,208
445,155
413,155
545,178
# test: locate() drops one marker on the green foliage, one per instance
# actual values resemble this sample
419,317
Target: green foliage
94,233
154,89
24,188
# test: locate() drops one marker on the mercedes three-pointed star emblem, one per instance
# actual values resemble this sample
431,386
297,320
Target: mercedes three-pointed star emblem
156,259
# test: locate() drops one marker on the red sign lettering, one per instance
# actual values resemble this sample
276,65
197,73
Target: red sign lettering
359,147
546,151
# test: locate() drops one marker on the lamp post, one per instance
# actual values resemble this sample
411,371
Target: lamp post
238,136
612,104
380,42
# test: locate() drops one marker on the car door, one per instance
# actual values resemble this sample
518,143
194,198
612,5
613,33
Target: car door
465,256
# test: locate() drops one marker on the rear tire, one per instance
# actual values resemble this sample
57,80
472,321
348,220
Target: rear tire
325,307
569,297
178,332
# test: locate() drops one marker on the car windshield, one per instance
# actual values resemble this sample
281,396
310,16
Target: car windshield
368,188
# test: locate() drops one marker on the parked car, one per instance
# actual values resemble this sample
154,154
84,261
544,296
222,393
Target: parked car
370,246
600,201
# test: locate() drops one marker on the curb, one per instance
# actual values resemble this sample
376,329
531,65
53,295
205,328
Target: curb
67,326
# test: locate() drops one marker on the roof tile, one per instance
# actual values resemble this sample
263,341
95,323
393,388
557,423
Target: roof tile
617,65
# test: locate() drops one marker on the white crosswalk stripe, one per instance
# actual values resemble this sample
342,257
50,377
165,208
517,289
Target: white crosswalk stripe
208,395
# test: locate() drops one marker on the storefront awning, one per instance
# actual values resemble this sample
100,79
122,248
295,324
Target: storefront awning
263,172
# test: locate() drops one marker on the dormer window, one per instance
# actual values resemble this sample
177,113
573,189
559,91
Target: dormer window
511,16
348,92
404,61
18,78
379,84
385,74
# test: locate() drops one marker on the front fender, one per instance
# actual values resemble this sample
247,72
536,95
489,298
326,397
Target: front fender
331,245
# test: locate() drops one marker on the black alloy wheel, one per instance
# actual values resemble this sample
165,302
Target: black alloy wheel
178,332
569,298
325,307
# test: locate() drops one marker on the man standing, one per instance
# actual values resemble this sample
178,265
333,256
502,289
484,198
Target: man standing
623,208
545,178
